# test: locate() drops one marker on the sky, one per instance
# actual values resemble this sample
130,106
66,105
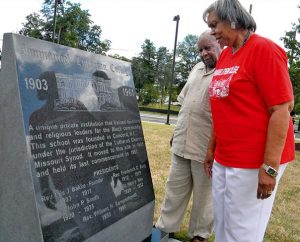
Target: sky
127,23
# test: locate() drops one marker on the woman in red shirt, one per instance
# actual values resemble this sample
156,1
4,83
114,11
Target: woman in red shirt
251,99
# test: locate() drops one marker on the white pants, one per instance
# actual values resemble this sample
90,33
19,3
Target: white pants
185,177
239,215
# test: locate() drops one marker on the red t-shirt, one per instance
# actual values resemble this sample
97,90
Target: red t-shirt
244,85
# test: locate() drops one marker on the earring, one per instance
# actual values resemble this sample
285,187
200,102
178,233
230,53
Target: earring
233,25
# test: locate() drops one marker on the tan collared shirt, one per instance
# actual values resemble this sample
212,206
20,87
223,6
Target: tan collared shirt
193,128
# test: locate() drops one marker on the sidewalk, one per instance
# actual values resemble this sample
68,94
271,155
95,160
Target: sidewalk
297,136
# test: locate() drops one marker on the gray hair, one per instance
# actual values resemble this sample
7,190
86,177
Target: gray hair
232,11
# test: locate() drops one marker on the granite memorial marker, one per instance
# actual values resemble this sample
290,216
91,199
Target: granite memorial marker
73,163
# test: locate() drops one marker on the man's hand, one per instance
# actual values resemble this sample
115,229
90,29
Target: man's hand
171,140
208,163
210,154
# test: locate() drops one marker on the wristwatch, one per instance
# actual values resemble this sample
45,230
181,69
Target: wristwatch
270,170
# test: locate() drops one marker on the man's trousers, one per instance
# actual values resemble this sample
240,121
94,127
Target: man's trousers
187,177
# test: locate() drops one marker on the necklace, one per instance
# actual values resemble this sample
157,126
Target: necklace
244,40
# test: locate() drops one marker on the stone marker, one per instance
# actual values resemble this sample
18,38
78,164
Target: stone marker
73,162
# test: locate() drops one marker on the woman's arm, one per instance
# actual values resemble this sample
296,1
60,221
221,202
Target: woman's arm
276,137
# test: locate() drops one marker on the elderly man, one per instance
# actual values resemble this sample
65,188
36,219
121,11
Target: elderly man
189,146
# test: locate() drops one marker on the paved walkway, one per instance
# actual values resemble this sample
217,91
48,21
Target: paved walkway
297,136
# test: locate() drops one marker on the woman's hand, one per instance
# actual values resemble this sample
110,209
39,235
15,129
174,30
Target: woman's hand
266,184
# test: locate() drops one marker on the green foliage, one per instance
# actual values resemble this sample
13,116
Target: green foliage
293,53
149,69
163,71
73,27
188,54
153,66
148,57
137,72
33,26
149,94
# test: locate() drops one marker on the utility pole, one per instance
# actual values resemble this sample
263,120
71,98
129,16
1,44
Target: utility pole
54,18
60,27
176,18
54,21
250,9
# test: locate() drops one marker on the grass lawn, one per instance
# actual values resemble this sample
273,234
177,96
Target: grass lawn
284,225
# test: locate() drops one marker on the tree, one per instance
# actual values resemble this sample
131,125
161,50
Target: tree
137,72
293,52
143,66
93,42
188,55
154,67
152,72
33,26
148,57
163,71
149,94
73,27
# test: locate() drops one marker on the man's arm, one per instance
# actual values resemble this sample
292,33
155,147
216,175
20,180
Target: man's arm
209,159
